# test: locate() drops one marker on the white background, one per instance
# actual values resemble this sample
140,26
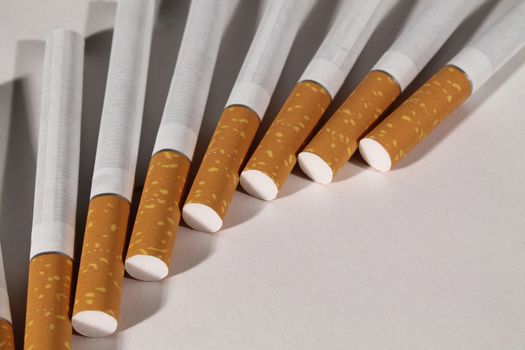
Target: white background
429,256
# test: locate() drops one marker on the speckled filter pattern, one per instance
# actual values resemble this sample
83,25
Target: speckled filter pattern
101,268
402,130
159,209
276,155
218,174
48,324
338,139
7,341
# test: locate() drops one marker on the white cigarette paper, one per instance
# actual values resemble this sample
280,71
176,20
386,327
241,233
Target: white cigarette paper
5,311
58,145
345,41
422,37
267,54
121,122
192,77
495,46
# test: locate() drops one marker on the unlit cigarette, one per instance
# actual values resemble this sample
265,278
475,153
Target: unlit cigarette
153,237
275,156
408,125
211,193
6,327
48,325
424,34
97,301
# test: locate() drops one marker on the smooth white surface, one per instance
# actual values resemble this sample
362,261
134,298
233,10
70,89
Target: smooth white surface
315,167
94,323
201,217
427,256
146,268
252,95
258,184
53,237
375,154
475,64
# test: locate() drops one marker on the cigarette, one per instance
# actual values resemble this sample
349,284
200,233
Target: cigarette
96,308
426,31
276,155
450,87
48,324
217,178
153,236
6,327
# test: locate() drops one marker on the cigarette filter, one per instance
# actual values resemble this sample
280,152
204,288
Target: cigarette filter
153,237
401,131
6,328
97,301
211,193
275,156
48,324
421,38
7,341
48,294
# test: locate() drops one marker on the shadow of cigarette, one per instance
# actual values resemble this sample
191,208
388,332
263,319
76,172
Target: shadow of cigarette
17,187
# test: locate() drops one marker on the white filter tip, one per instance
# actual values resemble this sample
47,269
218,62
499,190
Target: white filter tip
375,154
315,167
146,268
201,217
94,324
259,185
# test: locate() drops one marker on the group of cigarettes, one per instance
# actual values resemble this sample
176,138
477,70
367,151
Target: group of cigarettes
359,123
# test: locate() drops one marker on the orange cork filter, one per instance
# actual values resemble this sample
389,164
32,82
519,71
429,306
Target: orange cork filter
218,175
97,301
275,157
338,139
402,130
48,300
7,340
153,237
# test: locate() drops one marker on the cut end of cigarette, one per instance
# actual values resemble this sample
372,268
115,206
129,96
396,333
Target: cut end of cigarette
201,217
315,167
259,185
375,154
146,268
94,324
